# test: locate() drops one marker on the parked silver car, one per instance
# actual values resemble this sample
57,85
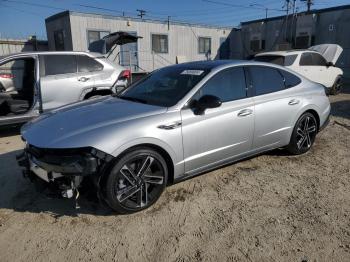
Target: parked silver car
39,81
178,122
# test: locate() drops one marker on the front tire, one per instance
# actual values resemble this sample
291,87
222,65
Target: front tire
304,134
136,181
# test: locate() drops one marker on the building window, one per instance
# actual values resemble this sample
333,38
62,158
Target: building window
160,43
93,35
255,45
204,45
59,40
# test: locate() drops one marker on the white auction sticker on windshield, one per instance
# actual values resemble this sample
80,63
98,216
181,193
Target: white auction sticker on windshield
192,72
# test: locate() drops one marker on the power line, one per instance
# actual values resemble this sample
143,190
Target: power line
32,4
239,6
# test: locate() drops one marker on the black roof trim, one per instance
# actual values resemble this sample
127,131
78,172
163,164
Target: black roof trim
316,11
58,15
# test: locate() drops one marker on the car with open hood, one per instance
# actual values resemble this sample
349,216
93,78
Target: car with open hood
35,82
176,123
316,63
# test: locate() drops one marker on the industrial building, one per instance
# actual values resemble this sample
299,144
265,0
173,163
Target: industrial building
168,42
296,31
162,43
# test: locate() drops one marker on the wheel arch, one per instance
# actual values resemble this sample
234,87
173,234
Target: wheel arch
158,145
316,115
94,92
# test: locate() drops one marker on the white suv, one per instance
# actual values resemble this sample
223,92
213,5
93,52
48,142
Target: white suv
316,63
31,83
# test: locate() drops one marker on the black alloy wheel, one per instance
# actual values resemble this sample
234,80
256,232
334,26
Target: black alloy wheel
304,134
136,181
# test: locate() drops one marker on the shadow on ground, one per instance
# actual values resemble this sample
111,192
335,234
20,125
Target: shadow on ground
10,131
20,194
341,109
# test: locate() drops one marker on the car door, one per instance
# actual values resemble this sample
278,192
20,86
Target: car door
60,83
91,74
222,133
327,74
312,67
19,99
276,105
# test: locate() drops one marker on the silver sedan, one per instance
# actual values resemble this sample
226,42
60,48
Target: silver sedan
179,121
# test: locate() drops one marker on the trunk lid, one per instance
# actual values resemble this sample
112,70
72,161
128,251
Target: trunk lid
331,52
107,43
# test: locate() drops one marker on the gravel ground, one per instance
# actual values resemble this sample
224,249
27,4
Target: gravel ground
274,207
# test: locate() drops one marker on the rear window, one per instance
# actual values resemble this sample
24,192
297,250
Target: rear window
290,80
60,64
277,60
289,60
266,80
88,64
274,59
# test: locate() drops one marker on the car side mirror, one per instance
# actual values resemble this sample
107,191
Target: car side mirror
329,64
205,102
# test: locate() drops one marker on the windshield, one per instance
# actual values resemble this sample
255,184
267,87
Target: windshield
165,87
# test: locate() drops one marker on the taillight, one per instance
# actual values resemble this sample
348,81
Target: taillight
8,76
126,74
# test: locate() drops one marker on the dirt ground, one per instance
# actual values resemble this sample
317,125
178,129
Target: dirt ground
273,207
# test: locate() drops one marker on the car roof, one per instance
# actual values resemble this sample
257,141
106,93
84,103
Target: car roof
91,54
218,64
285,53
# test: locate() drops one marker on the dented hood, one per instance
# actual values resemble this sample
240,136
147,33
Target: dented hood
331,52
105,44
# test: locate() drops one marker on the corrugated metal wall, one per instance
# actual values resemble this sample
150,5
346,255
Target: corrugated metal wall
182,39
328,27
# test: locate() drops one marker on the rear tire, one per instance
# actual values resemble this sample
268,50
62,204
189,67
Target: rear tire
136,181
304,134
337,86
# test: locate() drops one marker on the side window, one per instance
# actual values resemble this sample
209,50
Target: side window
318,60
228,85
290,80
266,79
87,64
60,64
289,60
306,59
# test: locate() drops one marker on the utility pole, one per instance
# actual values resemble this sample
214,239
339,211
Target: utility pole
287,6
169,22
309,3
142,13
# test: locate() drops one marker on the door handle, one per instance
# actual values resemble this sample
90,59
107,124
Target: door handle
83,79
245,112
293,102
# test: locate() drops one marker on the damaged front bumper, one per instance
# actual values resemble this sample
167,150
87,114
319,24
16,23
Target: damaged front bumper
65,168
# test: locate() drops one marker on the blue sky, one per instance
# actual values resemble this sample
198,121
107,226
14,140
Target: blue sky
22,18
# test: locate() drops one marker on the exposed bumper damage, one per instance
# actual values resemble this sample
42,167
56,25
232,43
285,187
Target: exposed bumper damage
63,169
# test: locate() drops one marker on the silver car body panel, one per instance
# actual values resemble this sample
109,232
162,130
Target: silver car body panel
195,143
58,90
